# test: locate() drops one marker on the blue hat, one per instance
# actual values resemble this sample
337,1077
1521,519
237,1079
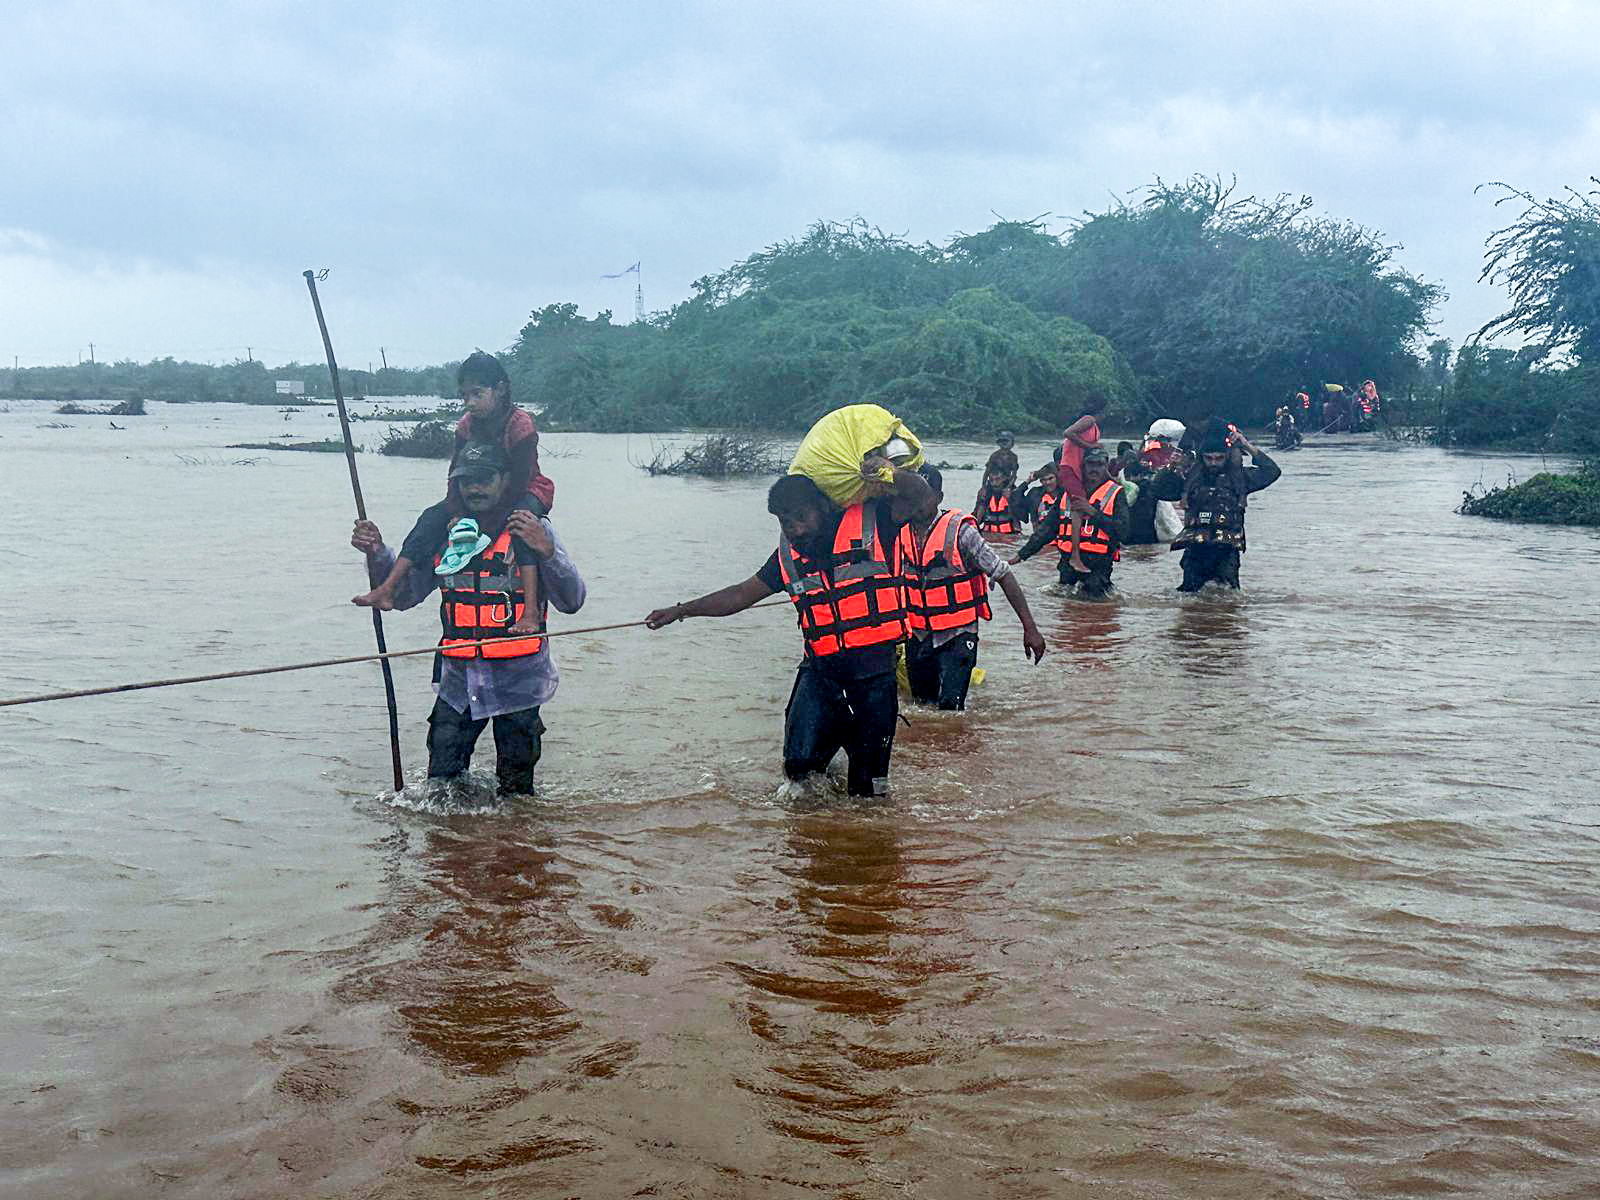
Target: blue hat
466,543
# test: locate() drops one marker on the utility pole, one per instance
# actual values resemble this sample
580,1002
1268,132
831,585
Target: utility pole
385,358
91,354
248,357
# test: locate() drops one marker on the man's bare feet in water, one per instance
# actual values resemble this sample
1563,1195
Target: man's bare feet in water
380,598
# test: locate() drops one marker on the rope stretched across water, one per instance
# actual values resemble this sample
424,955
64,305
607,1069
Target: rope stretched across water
305,666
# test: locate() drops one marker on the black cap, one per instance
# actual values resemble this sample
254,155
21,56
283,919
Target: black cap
480,458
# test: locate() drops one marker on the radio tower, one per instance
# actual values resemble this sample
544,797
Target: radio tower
638,296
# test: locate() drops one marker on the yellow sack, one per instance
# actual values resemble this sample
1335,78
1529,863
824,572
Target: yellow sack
832,452
903,677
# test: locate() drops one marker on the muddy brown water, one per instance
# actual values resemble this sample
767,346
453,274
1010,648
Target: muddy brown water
1290,893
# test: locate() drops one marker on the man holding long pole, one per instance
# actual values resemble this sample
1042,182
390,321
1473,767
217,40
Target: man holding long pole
361,515
489,668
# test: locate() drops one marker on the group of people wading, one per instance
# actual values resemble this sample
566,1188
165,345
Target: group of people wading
893,570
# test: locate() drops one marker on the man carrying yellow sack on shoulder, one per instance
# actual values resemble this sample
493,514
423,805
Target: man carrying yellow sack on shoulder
841,570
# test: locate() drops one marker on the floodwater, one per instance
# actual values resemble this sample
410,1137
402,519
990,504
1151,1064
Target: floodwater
1289,893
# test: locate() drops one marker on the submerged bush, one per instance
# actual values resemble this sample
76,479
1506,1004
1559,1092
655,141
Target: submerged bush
426,439
1546,499
721,456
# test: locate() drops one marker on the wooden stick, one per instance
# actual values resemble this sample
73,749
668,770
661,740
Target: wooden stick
361,514
383,656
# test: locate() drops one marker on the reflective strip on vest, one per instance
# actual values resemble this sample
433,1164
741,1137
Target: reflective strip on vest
862,602
996,517
1094,540
942,592
484,602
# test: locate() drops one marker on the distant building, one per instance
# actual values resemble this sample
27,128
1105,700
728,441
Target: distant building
291,387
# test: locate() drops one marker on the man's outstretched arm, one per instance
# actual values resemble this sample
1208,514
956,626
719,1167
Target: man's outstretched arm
722,603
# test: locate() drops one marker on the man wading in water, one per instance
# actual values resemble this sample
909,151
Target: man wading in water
841,571
1213,494
491,417
1104,520
511,674
947,567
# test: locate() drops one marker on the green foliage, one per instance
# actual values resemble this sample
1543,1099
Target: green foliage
1546,499
721,456
426,439
843,315
1223,304
1549,259
322,447
1503,398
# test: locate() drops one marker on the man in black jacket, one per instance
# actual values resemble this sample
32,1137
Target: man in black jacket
1214,493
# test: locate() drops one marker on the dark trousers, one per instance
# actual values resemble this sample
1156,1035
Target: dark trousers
942,676
1202,564
827,713
517,745
1096,581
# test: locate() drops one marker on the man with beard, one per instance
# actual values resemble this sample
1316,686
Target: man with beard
841,570
1214,493
494,662
1104,519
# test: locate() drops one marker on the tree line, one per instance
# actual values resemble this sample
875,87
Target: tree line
239,382
1187,300
1184,302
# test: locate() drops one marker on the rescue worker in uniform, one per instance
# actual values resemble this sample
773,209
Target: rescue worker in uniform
947,567
1214,493
1039,499
1105,519
486,670
996,509
840,570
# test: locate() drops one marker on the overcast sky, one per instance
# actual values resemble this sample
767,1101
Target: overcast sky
167,169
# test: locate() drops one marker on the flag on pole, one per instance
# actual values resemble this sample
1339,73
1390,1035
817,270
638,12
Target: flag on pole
620,274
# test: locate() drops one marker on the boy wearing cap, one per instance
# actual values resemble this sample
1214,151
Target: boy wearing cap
494,662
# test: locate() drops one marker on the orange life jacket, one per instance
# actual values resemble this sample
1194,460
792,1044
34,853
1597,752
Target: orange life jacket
861,601
997,517
484,601
1094,540
1047,503
942,590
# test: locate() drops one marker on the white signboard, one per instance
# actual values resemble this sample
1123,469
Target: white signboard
291,387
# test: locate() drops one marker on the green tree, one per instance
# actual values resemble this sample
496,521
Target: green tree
1222,304
1549,260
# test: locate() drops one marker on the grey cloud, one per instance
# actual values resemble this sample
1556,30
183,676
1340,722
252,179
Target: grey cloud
461,166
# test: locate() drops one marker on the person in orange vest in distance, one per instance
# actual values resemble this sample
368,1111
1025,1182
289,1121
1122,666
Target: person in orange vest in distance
841,572
1040,500
494,662
996,509
947,567
1105,518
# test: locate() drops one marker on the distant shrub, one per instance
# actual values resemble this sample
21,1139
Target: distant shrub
721,456
324,447
426,439
1546,499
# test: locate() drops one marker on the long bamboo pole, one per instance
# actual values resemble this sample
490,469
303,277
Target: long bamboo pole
361,514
